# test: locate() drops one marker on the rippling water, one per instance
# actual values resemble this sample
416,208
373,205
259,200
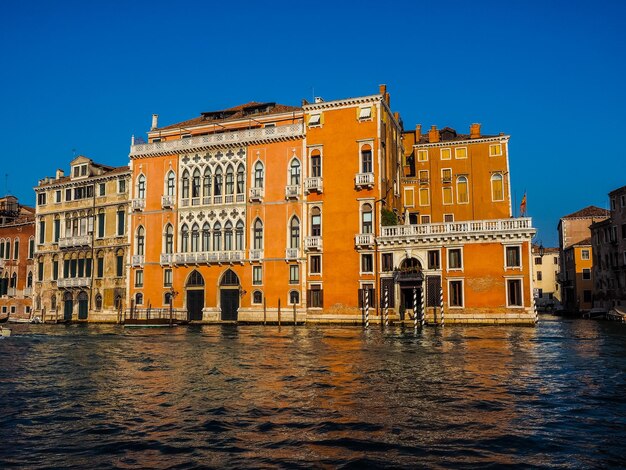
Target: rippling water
252,396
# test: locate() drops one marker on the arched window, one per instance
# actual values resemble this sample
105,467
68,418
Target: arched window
229,279
294,172
168,298
206,237
316,222
316,164
294,233
118,302
185,184
257,297
195,280
497,187
29,279
239,235
229,180
241,176
461,190
195,238
13,282
258,175
294,297
184,237
366,159
195,184
366,218
141,187
98,302
206,183
228,236
170,183
141,240
138,298
217,237
258,234
169,239
218,182
53,302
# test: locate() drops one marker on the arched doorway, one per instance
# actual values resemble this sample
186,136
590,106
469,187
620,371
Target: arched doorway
195,295
229,296
83,305
410,278
68,306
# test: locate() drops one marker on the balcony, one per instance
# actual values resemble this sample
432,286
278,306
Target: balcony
74,282
28,291
11,292
256,255
292,191
313,184
137,260
205,257
292,253
256,194
364,180
207,142
167,258
168,202
474,229
138,204
70,242
313,243
364,240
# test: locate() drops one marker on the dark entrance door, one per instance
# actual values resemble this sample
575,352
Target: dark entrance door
83,306
195,304
229,300
68,306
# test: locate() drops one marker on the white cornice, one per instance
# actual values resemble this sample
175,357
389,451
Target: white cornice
448,143
344,103
83,182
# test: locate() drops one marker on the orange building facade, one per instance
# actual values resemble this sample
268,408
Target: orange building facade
327,212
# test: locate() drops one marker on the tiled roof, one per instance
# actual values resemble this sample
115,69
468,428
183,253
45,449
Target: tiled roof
585,242
241,111
591,211
447,134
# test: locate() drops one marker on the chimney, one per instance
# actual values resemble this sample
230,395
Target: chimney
433,134
475,131
418,133
382,89
60,174
155,121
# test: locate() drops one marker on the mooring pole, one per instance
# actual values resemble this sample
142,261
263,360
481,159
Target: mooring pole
441,304
278,312
423,307
294,314
386,306
264,311
367,308
415,308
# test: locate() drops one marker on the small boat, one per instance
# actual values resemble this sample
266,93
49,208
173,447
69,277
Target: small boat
5,319
151,322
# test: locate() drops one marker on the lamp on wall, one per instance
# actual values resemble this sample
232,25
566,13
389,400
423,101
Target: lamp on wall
542,250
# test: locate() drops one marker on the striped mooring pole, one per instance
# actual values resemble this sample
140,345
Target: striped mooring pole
386,306
422,308
535,309
441,305
415,307
367,308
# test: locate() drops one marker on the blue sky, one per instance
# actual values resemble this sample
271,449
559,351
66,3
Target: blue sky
83,77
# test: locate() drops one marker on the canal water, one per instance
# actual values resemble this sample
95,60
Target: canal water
76,396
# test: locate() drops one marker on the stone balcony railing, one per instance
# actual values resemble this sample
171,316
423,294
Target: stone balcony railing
74,282
28,291
168,201
137,260
80,240
364,240
1,263
256,194
472,228
362,180
206,257
167,258
292,191
313,243
314,183
138,204
256,255
206,142
292,253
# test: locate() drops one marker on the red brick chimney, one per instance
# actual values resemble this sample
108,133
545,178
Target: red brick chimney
475,131
433,134
382,89
418,133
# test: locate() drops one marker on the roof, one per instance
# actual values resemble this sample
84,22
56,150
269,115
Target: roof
108,172
590,211
448,134
242,111
584,242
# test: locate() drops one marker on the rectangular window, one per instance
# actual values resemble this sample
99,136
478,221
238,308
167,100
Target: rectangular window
455,292
41,199
57,195
257,275
31,248
424,197
538,260
121,185
423,176
387,262
448,218
121,219
139,278
68,195
100,268
433,259
315,119
514,292
495,150
315,264
586,273
455,258
367,264
16,249
425,219
422,155
101,225
294,274
365,113
167,278
102,189
446,193
584,254
460,152
408,197
446,154
513,257
40,271
315,296
119,271
446,175
539,276
587,296
42,232
556,260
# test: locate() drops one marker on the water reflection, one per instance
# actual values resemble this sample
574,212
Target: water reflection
253,396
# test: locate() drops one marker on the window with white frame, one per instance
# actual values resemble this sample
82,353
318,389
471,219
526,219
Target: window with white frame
460,152
455,293
462,192
446,195
455,258
258,175
294,172
139,278
315,264
497,187
422,155
294,233
495,150
448,218
365,113
167,278
446,154
141,187
367,263
424,196
513,256
584,254
367,165
315,120
294,297
316,163
257,275
294,274
170,183
257,297
366,218
514,291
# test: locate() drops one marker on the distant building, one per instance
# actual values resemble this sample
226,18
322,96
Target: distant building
545,275
609,250
17,236
82,243
575,252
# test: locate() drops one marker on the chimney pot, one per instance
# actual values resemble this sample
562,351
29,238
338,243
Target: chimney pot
433,134
382,89
474,131
418,133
